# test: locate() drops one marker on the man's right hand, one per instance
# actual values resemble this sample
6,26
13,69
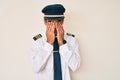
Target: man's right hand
50,32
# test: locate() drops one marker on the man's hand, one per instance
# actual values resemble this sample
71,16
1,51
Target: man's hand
60,33
50,32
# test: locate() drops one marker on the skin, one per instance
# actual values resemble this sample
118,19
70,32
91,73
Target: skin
54,28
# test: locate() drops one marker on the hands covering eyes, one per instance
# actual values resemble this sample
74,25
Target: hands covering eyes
51,26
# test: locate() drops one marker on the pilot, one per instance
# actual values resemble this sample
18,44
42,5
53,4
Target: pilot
54,53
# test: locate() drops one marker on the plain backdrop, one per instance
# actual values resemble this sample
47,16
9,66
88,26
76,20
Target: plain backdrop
95,23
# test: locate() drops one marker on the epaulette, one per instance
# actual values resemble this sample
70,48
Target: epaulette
37,37
69,34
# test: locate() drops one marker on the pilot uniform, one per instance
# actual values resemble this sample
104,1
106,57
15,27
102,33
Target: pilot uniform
43,55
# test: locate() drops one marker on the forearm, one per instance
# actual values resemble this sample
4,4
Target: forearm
40,56
70,56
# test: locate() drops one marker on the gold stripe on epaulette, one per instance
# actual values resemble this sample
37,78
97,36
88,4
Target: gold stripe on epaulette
37,37
69,34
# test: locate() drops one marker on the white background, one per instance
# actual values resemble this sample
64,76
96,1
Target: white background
96,24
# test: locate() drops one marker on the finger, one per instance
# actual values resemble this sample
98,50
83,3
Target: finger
61,31
56,25
47,28
59,27
48,25
52,27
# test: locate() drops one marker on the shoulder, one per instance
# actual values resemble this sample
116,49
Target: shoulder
69,37
36,37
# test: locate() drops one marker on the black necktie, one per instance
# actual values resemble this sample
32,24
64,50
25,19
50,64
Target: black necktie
57,61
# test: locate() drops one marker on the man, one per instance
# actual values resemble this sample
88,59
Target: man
54,53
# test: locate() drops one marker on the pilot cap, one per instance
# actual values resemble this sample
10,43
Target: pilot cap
54,11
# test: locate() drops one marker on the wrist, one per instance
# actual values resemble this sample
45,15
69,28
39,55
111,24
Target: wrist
50,42
62,42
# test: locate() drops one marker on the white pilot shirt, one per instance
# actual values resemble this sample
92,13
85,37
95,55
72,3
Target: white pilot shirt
42,57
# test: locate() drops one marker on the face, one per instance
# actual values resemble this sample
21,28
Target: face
48,22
